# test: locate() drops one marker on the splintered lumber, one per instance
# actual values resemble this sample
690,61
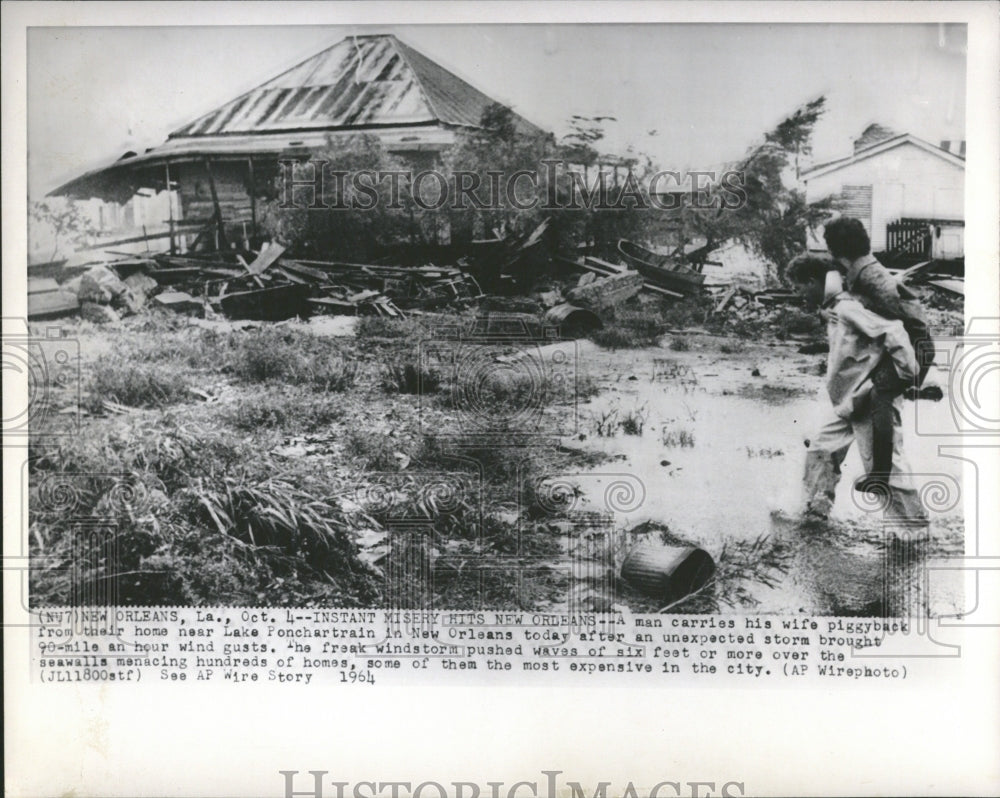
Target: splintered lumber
604,271
725,300
307,272
50,304
257,281
176,300
777,297
386,307
373,304
220,273
293,278
956,287
266,258
41,285
606,292
603,264
131,240
659,289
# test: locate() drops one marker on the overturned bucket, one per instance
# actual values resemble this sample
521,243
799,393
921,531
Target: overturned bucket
667,573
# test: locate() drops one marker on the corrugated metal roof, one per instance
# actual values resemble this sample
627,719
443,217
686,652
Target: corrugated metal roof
362,81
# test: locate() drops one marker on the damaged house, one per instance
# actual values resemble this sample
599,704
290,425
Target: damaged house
226,161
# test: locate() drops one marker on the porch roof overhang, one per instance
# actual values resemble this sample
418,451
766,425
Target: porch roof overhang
119,180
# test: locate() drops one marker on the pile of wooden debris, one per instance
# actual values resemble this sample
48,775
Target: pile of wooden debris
270,286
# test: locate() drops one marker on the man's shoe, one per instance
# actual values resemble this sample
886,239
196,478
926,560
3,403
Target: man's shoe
874,484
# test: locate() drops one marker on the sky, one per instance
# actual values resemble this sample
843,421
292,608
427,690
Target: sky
689,95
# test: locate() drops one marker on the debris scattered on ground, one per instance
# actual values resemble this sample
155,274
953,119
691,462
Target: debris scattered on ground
578,294
48,300
573,321
599,294
956,286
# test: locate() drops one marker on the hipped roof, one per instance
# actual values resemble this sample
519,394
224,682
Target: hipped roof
362,83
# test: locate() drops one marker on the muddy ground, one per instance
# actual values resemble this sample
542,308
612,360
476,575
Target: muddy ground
341,463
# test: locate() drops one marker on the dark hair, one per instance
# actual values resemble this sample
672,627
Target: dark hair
807,268
846,237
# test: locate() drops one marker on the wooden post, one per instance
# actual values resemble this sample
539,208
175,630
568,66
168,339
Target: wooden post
253,198
221,239
170,209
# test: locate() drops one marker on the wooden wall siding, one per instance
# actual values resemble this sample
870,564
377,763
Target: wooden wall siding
230,185
858,203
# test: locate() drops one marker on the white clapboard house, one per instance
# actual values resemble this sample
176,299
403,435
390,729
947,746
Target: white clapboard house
908,192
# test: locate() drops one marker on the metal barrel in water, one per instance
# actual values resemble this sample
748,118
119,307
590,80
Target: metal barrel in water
667,573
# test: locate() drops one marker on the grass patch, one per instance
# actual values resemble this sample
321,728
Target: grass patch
376,452
587,387
631,329
296,357
677,438
222,522
288,411
381,328
771,394
740,565
134,384
194,517
410,378
634,421
606,423
680,344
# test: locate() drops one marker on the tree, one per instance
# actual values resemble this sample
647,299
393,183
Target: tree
775,218
66,220
340,224
497,146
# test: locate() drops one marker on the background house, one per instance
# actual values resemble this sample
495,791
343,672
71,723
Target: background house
908,193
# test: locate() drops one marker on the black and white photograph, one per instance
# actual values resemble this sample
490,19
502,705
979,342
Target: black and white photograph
412,324
355,350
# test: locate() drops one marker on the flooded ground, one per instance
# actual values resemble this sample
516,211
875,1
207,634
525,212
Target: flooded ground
704,437
719,460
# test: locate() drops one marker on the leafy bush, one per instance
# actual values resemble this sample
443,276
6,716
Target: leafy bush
334,375
347,233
